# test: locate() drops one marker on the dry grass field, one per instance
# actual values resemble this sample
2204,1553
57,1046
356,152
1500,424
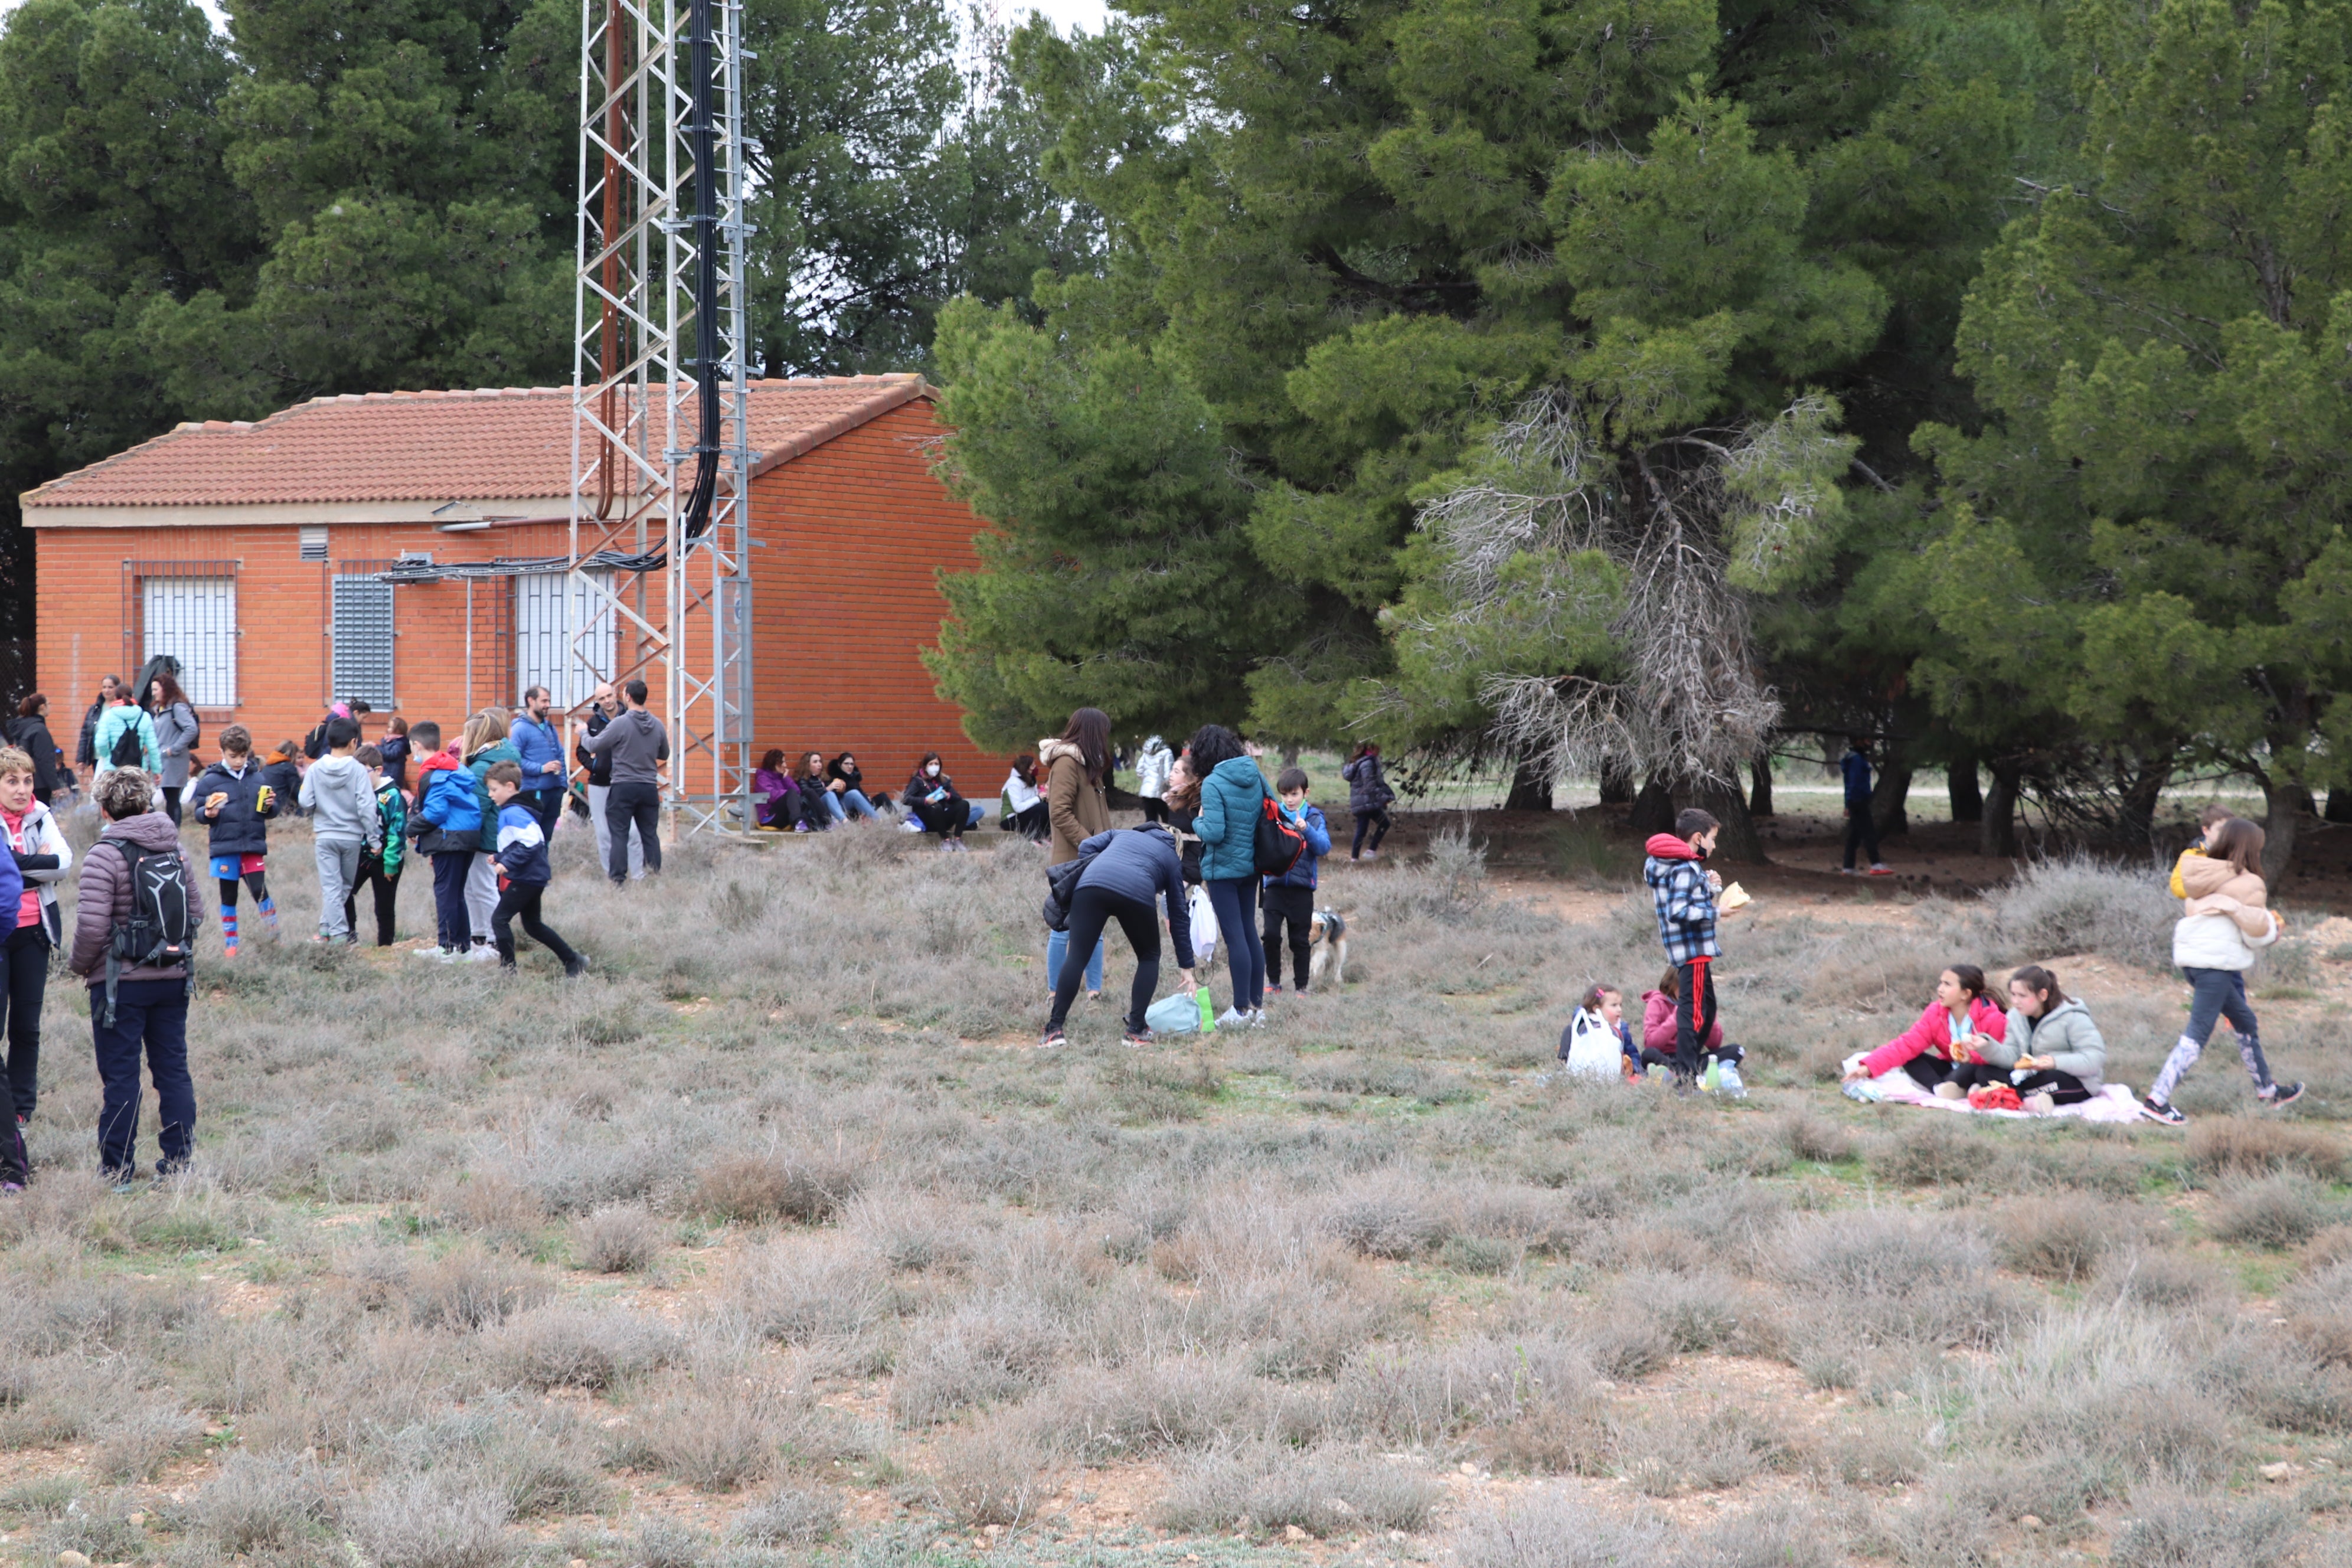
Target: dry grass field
777,1240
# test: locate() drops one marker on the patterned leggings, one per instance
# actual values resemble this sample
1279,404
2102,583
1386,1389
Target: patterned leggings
2219,993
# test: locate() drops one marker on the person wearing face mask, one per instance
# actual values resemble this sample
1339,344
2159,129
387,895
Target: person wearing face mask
932,796
1683,891
539,749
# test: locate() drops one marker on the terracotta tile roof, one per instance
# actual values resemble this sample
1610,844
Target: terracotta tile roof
494,444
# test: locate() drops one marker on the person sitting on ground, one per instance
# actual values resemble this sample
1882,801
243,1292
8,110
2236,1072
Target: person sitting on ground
773,792
1127,872
932,796
819,809
1660,1012
1944,1038
843,770
1024,808
2050,1051
1596,1043
2225,924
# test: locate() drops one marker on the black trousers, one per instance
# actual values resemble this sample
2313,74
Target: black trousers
1377,819
1091,908
1293,906
26,955
387,896
522,898
2062,1088
1861,829
1032,823
946,818
1695,1013
172,794
1154,808
628,806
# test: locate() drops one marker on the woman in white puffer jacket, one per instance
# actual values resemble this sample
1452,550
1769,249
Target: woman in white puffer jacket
2225,924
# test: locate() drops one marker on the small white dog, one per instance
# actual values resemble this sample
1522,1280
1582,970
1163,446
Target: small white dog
1327,948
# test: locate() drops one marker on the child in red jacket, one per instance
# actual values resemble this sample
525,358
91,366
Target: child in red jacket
1944,1039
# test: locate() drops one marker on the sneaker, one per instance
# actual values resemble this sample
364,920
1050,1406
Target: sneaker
124,1185
434,951
1273,989
910,827
1845,870
2281,1094
2157,1111
1881,868
481,953
8,1188
1233,1018
1257,1018
800,827
1371,854
1950,1091
2040,1104
1137,1037
575,969
1053,1037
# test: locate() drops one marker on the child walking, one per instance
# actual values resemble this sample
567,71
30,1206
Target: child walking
2224,925
448,830
340,796
380,867
1683,891
1367,799
235,801
1289,899
523,872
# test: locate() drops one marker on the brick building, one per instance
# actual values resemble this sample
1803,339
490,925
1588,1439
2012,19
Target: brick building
251,553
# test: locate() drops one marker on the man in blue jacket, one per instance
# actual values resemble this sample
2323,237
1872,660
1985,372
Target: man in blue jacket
1860,829
1289,899
539,745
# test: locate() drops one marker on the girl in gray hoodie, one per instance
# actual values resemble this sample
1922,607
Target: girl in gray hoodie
2051,1052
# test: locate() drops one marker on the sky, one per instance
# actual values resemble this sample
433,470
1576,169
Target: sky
1065,14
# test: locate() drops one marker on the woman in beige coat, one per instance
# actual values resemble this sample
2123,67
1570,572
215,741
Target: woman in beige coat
1078,806
2225,923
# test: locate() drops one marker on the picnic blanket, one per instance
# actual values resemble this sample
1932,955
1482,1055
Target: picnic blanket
2113,1103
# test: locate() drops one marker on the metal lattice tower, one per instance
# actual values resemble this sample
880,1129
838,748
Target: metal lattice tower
658,569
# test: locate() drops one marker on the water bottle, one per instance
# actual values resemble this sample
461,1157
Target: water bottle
1208,1011
1733,1085
1712,1079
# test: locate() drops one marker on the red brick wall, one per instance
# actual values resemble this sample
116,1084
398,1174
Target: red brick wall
844,595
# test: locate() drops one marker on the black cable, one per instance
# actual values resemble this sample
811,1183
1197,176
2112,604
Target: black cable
705,222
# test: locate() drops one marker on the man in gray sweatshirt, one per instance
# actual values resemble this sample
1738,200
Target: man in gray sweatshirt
637,746
341,798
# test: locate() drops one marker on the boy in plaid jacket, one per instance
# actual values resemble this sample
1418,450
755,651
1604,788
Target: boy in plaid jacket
1684,890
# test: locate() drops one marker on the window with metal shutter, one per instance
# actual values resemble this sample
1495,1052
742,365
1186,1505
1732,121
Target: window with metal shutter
363,640
538,621
194,619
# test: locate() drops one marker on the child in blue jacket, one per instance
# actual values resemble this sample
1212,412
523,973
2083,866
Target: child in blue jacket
1289,899
523,871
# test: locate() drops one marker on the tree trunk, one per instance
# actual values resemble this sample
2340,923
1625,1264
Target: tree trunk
1888,796
2138,804
2289,803
1290,757
2339,805
1654,809
1759,796
1616,783
1996,829
1530,791
1739,840
1968,798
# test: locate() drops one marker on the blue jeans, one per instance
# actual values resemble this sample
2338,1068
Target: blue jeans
1057,946
1234,899
153,1014
2217,993
843,803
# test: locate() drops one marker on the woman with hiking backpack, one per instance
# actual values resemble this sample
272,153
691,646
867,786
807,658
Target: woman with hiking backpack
1233,800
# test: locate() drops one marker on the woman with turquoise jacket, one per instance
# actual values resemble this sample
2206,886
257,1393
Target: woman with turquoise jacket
1233,798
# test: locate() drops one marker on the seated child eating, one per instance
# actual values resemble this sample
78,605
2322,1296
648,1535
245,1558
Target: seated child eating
1597,1044
1658,1026
1949,1035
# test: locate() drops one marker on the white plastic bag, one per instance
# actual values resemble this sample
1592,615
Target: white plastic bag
1593,1051
1204,925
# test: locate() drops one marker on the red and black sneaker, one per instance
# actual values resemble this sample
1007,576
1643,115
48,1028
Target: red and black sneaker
1053,1037
2282,1094
2157,1111
1138,1037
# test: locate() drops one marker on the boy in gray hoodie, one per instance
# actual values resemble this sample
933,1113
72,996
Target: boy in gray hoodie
340,796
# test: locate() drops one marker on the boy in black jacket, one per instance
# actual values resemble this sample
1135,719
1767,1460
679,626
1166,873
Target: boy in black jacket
235,802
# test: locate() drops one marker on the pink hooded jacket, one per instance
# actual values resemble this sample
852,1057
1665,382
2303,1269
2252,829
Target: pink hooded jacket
1932,1036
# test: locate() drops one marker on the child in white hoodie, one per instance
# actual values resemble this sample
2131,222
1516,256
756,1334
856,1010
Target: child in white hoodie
340,796
2225,924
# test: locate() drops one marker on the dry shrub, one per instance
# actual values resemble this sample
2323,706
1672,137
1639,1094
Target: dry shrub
806,1289
1394,1220
1812,1137
1390,1392
1667,1454
2165,1281
260,1500
2080,905
1702,1311
98,1524
2279,1211
1890,1278
789,1516
1553,1528
807,1186
136,1441
576,1347
2115,1390
2172,1529
996,1473
993,1349
618,1239
1326,1492
2225,1146
706,1434
1928,1152
1099,1413
60,1203
472,1289
912,1230
1626,1350
494,1205
2057,1239
440,1519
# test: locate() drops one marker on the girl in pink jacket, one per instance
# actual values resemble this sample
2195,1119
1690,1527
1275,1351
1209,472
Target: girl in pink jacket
1940,1043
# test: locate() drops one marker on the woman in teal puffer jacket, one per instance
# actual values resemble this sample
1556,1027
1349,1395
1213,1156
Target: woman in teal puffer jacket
1233,797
